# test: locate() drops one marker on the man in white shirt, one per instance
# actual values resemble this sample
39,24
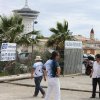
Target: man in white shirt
96,75
37,72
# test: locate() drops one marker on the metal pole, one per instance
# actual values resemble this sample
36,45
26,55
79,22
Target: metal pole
32,44
32,53
16,62
33,37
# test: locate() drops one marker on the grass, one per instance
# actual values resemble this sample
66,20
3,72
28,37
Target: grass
3,74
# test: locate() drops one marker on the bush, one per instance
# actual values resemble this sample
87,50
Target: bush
3,73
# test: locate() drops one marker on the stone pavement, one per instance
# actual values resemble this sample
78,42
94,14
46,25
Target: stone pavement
15,92
76,83
72,88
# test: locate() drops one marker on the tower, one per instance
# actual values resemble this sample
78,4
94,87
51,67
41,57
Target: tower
92,34
28,16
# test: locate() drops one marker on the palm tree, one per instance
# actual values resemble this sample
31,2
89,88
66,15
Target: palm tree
31,35
11,27
60,34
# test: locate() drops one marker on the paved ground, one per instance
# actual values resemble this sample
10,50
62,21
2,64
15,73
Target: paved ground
80,82
14,92
17,92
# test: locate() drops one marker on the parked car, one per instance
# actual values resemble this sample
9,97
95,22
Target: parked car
24,57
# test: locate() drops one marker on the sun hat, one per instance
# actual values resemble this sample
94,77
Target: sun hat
38,58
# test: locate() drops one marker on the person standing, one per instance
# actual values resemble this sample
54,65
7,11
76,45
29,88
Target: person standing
95,76
37,70
53,72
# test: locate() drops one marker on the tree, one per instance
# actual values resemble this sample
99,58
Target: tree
60,34
10,28
31,36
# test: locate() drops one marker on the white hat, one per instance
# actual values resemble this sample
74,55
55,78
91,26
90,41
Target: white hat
38,58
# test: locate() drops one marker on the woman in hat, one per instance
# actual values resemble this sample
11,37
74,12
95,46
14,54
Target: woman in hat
37,72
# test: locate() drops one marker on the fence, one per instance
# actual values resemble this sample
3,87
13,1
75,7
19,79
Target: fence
73,57
70,62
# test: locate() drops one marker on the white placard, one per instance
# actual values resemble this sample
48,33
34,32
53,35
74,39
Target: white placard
73,44
8,51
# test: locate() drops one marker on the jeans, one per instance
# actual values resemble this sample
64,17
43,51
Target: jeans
53,85
38,88
94,84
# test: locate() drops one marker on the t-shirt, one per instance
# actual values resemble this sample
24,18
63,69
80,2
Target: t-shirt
38,66
51,68
96,70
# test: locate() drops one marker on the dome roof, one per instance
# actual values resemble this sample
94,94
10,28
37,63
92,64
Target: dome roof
25,10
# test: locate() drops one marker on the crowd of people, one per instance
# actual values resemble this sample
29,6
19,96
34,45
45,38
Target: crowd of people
52,70
92,68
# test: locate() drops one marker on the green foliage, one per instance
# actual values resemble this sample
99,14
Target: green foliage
11,27
3,74
60,34
10,31
40,36
45,56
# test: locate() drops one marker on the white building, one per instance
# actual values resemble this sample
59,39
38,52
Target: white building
28,16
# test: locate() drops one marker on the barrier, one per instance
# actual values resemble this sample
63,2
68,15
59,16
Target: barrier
73,57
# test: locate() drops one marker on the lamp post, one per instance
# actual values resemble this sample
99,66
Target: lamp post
33,38
34,22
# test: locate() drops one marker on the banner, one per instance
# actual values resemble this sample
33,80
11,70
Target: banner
73,45
8,51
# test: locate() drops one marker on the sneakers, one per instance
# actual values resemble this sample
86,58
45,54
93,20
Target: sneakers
92,97
34,96
43,95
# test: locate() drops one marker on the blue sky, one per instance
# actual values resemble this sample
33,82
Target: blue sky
82,15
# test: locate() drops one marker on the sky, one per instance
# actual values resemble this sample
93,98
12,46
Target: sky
82,15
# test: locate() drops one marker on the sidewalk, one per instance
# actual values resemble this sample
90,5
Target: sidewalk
14,77
75,83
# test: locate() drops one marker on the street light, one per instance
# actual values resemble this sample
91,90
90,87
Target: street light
33,37
34,22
